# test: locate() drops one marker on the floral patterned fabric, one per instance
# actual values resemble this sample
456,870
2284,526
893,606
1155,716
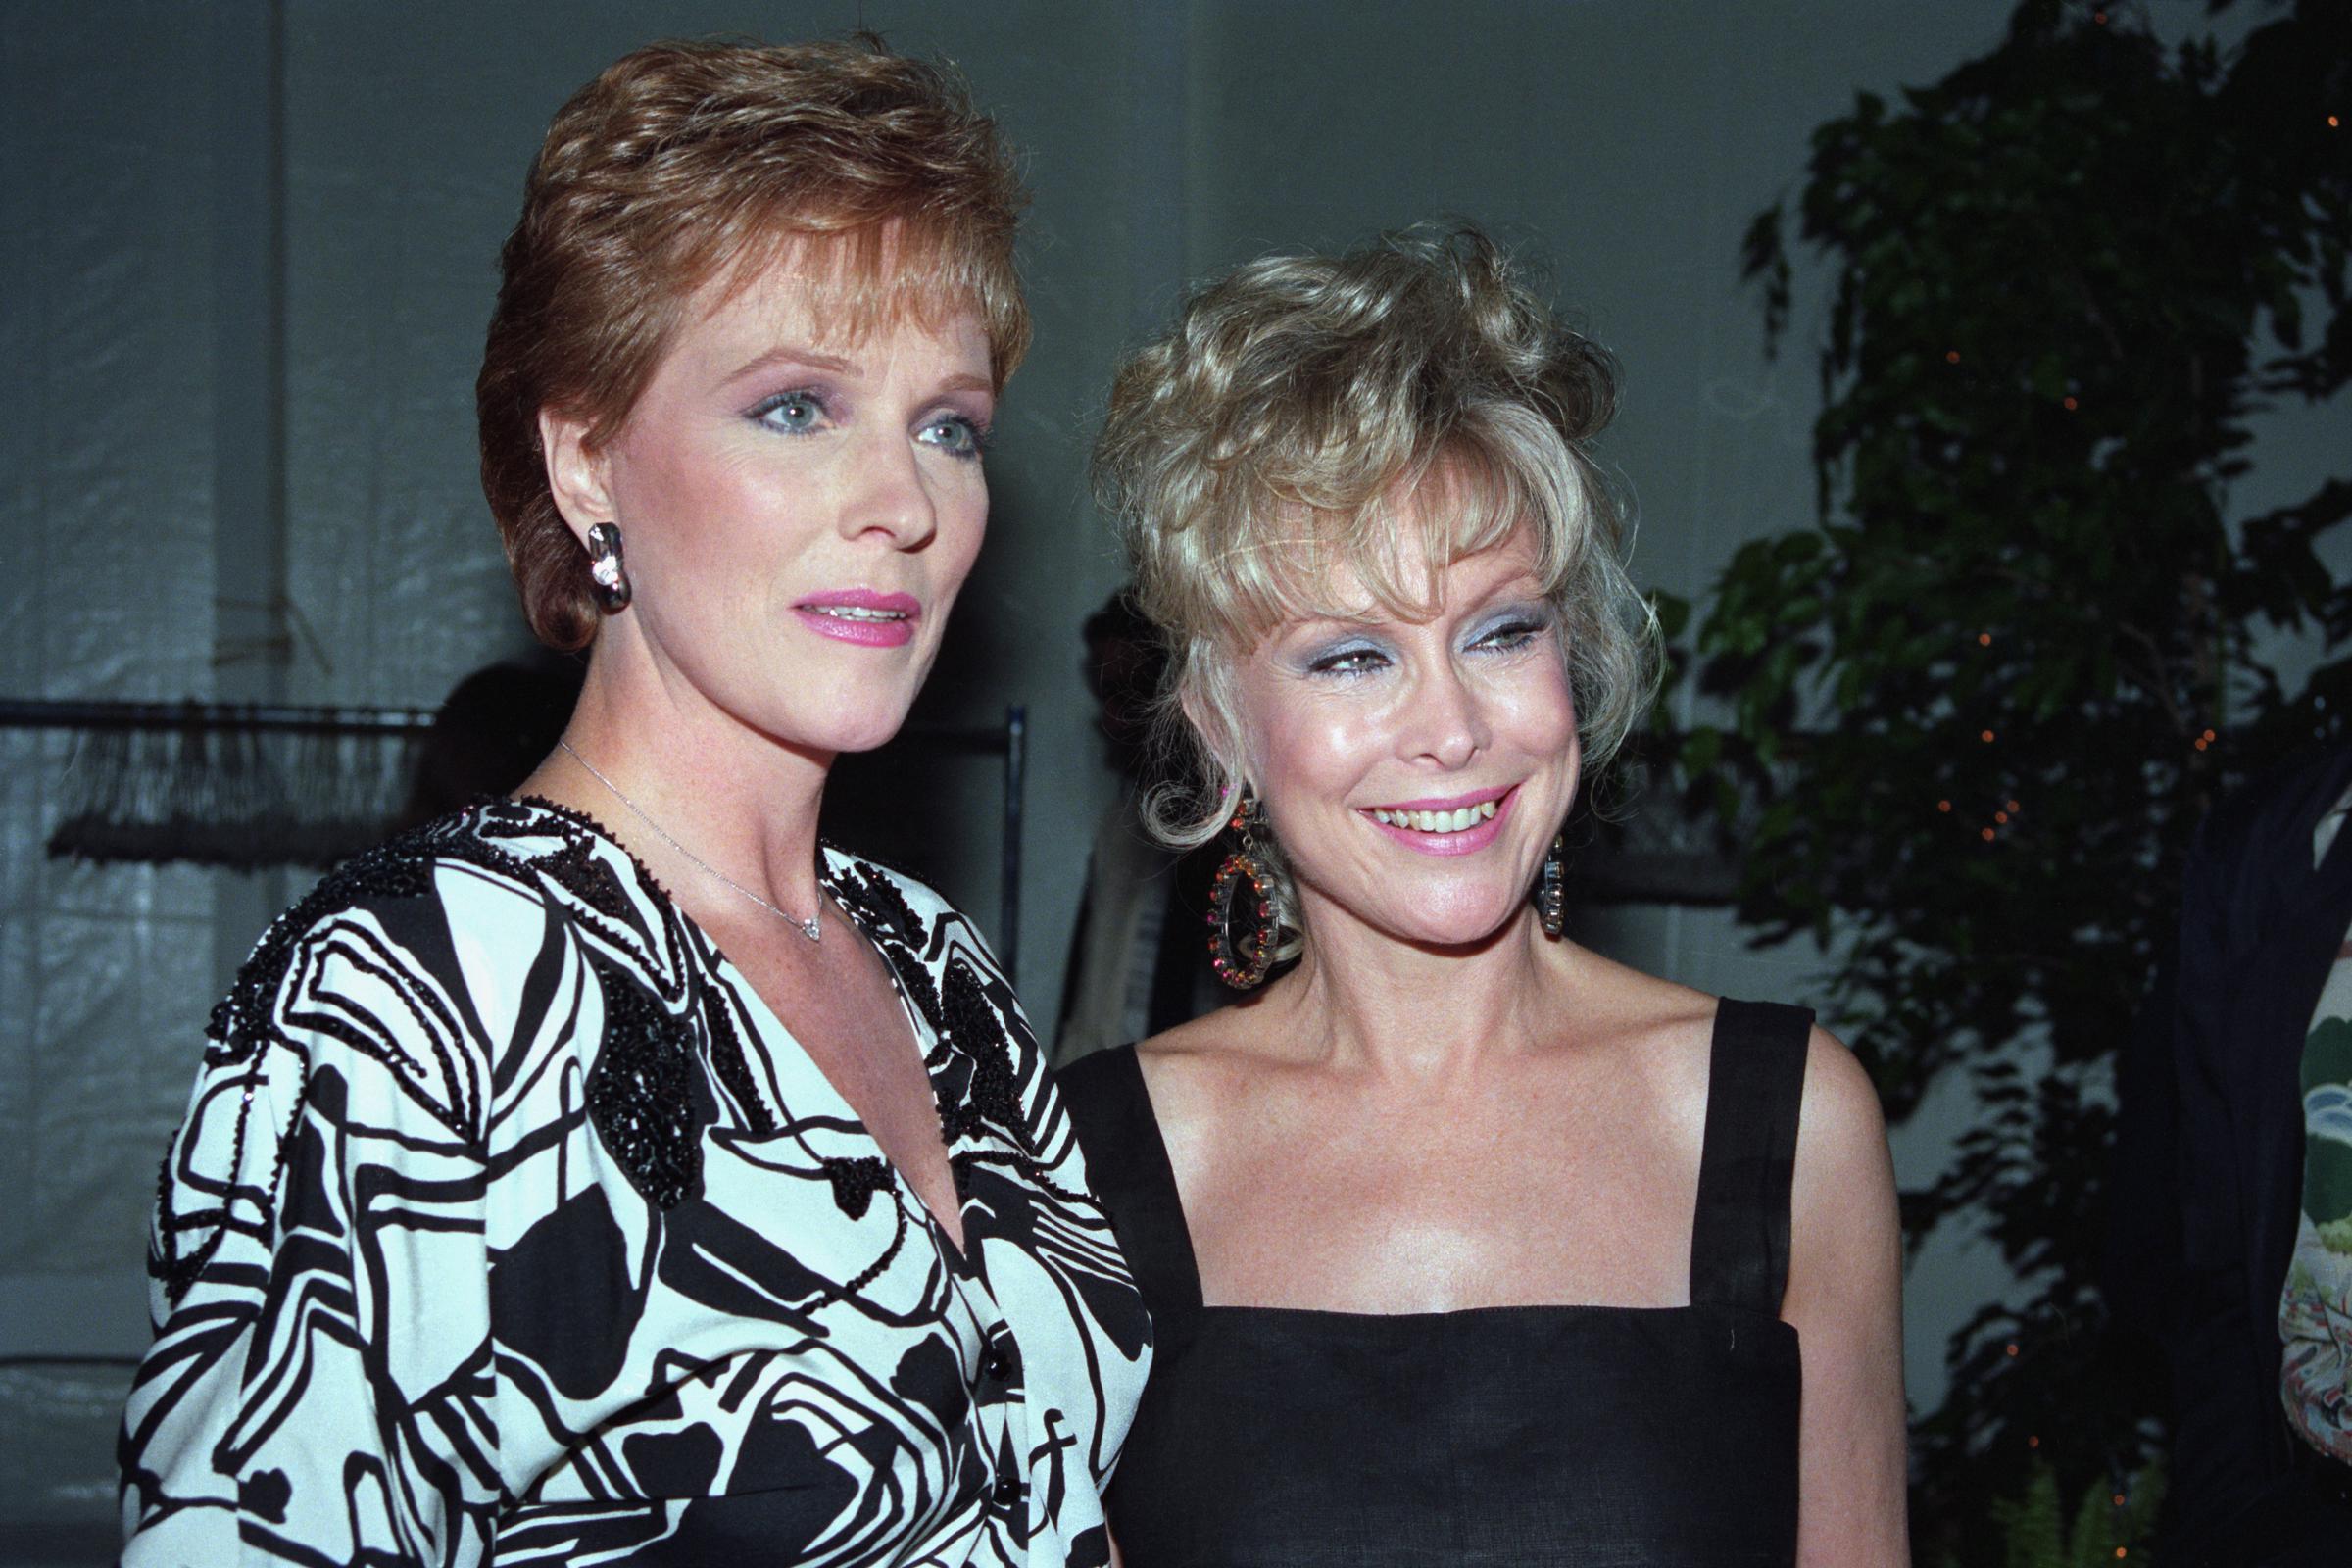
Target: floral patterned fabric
2315,1309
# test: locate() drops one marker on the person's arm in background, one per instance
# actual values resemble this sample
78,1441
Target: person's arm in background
2223,1411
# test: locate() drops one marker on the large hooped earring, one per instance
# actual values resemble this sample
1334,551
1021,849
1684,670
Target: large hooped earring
1551,889
1241,886
607,576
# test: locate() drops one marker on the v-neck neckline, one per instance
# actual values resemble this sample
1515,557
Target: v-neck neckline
959,1255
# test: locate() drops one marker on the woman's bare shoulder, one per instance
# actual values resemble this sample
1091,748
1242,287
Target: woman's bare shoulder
1623,999
1841,1128
1676,1024
1212,1062
1661,1027
1186,1040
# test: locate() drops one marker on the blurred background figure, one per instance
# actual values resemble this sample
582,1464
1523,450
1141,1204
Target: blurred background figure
2234,1234
1139,949
492,730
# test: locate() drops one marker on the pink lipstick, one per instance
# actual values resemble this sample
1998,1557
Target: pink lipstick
862,616
1457,825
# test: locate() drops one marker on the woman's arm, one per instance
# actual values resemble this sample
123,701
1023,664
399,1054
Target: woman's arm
320,1387
1846,1300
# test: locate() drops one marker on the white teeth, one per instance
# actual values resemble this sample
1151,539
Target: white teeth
1459,820
859,613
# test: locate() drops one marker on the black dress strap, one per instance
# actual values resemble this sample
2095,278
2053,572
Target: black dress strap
1756,1083
1127,1161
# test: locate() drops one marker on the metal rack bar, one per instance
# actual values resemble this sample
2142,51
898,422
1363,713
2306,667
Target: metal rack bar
1009,739
19,712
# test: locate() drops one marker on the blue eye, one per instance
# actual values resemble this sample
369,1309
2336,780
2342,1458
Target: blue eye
1514,633
793,413
1514,626
1352,660
955,435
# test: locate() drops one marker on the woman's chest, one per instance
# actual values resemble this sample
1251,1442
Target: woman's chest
852,1038
754,1334
717,1299
1530,1203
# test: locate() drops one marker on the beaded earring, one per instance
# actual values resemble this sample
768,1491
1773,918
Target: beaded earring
1551,889
1240,885
607,578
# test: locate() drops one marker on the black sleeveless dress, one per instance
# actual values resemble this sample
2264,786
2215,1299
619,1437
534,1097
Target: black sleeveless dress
1497,1436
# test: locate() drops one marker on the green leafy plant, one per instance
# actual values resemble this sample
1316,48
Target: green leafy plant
1974,712
2104,1527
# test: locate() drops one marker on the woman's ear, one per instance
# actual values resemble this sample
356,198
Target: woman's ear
579,475
1212,723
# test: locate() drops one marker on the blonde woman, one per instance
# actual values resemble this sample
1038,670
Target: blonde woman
1464,1244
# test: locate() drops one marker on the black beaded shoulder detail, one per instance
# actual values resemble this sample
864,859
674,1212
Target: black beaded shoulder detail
732,1066
400,868
868,892
605,911
975,1064
991,1092
870,899
916,980
242,1024
641,1092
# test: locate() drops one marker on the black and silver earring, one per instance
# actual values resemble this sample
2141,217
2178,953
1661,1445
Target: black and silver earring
1242,896
1551,889
607,576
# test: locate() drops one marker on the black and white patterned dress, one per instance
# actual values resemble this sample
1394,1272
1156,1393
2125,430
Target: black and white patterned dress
508,1223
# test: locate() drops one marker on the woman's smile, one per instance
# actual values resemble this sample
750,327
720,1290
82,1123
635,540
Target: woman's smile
1461,824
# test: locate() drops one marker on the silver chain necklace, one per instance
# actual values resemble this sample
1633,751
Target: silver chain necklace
808,928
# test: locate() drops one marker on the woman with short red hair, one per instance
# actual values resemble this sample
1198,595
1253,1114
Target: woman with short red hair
613,1172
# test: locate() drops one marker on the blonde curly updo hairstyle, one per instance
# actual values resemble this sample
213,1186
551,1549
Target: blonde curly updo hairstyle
684,160
1384,413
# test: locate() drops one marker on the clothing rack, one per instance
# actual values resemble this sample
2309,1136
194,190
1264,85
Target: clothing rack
1009,739
21,713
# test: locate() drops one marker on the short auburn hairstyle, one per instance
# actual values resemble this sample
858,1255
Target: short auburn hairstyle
1382,413
684,160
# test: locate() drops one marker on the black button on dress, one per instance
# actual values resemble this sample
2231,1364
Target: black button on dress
1581,1435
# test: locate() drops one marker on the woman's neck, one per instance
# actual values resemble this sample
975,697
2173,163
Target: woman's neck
1363,998
697,796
